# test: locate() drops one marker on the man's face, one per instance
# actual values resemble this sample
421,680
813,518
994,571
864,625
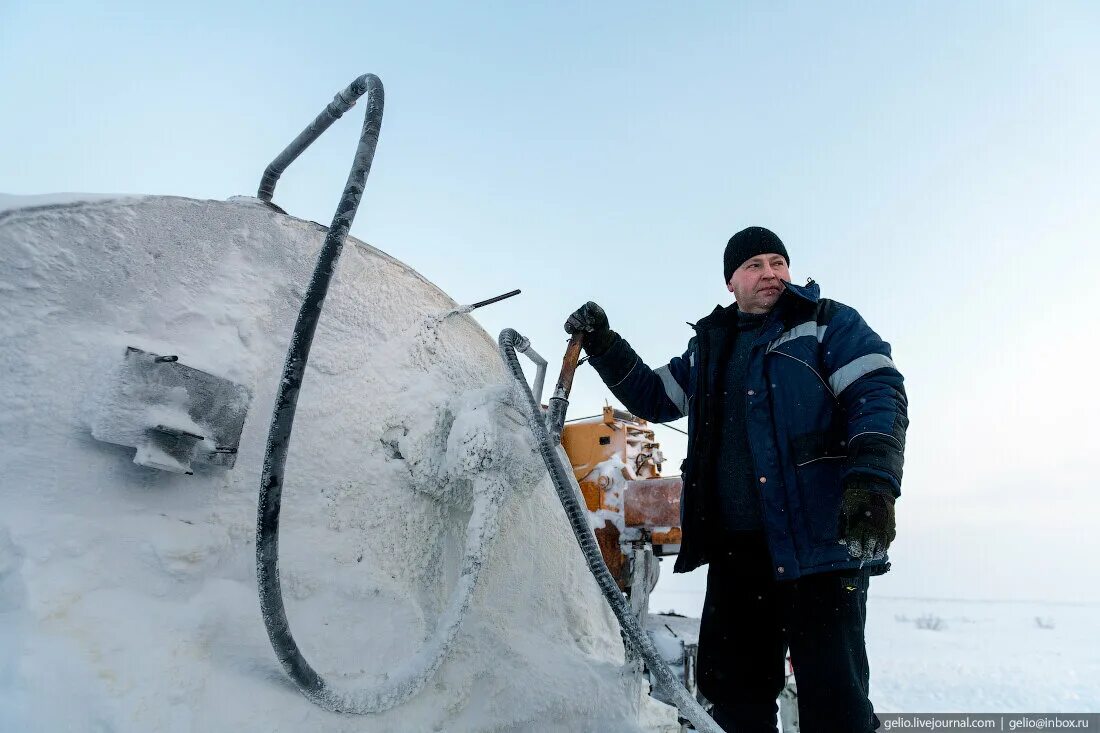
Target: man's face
756,283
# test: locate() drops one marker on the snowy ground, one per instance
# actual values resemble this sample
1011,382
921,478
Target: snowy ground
986,656
978,656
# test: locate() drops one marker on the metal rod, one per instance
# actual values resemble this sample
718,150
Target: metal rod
497,299
559,402
569,366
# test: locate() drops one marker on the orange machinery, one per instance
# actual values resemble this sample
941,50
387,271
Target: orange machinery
617,463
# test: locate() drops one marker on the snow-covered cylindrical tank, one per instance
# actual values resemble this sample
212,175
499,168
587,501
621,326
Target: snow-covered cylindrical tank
127,589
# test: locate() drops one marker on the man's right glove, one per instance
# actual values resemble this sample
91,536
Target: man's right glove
866,522
591,320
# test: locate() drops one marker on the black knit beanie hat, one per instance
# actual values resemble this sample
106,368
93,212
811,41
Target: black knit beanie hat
750,243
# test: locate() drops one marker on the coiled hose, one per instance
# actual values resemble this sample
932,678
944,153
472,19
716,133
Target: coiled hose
578,520
407,679
286,400
412,675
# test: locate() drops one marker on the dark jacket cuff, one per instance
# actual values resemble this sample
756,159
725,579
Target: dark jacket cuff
870,482
614,364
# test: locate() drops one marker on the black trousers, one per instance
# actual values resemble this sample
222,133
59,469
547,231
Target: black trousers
750,620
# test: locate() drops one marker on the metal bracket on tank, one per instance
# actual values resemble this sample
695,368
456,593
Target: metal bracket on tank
173,414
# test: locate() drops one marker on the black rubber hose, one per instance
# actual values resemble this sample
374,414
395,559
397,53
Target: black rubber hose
578,520
282,419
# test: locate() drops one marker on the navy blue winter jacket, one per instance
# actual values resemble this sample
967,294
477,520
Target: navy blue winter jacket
823,401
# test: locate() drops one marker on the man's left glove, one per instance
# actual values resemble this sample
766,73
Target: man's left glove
866,523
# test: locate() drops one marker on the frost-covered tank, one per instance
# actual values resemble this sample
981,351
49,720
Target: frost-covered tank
128,597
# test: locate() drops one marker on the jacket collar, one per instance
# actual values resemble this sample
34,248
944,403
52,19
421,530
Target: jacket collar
792,295
810,292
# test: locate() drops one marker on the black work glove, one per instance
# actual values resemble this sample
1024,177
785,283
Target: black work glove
591,320
866,523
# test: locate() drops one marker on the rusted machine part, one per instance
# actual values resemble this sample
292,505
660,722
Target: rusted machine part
607,537
653,503
667,543
559,402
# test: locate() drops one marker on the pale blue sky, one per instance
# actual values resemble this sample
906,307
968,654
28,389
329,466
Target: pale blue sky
932,164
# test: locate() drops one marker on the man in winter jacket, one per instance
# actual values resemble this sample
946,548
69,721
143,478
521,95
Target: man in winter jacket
796,433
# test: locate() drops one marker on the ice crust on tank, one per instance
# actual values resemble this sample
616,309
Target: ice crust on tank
139,605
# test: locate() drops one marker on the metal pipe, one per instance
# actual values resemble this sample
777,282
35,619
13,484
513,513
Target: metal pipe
540,373
366,84
523,346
